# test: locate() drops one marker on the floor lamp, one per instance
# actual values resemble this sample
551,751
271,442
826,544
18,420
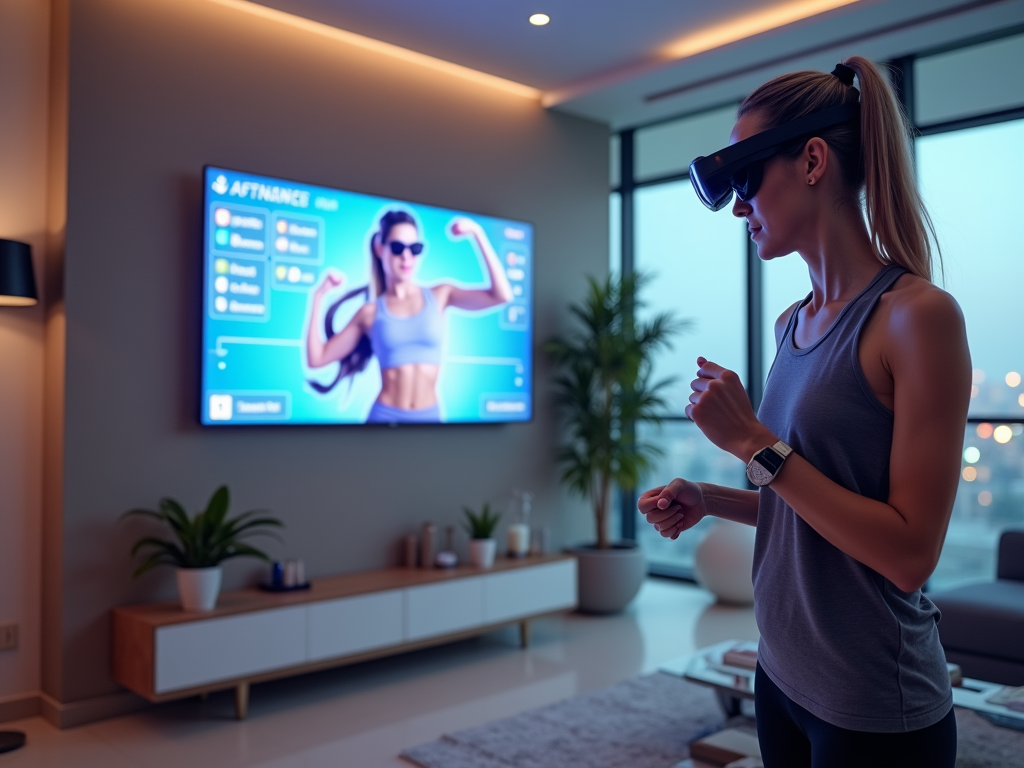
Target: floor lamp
17,289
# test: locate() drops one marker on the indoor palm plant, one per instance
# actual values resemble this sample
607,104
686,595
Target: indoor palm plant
480,527
604,388
200,544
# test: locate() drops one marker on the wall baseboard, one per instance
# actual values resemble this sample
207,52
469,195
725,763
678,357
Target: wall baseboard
75,713
72,714
19,707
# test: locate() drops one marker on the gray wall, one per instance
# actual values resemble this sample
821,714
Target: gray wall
157,89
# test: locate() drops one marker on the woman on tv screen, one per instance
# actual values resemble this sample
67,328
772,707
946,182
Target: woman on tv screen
402,322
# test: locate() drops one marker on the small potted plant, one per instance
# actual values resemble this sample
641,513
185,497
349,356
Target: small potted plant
201,543
480,528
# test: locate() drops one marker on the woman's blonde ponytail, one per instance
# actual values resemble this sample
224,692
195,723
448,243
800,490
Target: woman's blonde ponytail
900,228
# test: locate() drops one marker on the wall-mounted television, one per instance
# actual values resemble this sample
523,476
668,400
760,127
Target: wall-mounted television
323,306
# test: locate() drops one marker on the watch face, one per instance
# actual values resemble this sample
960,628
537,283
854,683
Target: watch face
758,474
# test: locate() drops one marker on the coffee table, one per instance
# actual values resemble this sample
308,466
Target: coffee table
974,694
705,667
733,684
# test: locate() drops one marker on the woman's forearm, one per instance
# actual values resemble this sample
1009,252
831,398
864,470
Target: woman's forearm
314,344
501,290
734,504
872,532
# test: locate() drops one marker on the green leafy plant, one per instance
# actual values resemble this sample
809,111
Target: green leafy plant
481,526
603,387
204,540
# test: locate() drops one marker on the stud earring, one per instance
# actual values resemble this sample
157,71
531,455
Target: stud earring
810,181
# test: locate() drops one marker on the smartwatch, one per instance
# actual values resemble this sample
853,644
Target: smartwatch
766,464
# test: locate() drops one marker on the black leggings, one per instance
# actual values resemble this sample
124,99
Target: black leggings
791,737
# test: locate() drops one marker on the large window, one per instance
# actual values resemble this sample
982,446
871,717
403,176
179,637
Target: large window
980,238
969,157
698,262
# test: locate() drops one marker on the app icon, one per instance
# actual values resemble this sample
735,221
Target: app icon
282,244
221,284
220,184
220,304
221,238
282,226
294,275
222,217
281,272
220,407
220,266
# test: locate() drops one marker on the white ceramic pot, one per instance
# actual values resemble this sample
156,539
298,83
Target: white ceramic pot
198,588
609,578
724,560
481,552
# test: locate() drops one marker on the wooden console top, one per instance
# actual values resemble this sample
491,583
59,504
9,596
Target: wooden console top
328,588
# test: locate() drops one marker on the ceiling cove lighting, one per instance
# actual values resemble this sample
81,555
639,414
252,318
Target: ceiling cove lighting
748,25
540,19
378,46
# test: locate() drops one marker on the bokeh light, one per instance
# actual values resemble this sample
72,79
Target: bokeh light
978,376
1002,433
971,455
970,474
984,430
1013,379
539,19
974,390
1021,399
985,498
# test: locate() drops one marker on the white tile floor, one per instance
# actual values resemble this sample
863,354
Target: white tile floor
362,716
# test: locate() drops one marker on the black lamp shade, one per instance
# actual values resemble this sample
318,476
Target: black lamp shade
17,281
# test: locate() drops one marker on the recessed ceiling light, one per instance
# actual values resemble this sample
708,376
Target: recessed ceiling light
539,19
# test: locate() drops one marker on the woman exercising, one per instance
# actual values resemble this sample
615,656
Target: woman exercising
401,322
856,446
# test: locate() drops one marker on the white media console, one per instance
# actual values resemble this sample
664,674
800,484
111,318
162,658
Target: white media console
162,652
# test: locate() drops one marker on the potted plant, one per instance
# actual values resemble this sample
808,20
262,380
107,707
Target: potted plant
603,388
480,528
200,544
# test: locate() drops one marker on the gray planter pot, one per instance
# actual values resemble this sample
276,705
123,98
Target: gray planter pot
609,578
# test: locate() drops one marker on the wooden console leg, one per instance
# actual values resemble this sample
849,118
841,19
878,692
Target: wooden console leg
242,700
524,633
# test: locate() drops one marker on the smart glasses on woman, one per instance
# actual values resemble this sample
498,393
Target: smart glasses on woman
739,168
398,248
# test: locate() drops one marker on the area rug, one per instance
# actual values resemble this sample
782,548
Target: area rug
643,722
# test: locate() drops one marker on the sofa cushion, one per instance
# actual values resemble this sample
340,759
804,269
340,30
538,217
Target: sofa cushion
1010,562
986,619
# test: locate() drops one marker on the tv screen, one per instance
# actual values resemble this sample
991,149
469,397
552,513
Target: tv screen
322,306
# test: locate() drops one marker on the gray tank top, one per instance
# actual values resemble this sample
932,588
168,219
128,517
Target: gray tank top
837,637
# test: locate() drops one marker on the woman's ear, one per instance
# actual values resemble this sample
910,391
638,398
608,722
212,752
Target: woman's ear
815,158
375,244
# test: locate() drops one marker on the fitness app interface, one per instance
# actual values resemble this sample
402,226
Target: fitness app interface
269,244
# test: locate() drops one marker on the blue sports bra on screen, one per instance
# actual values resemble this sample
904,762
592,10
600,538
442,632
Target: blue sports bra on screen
408,340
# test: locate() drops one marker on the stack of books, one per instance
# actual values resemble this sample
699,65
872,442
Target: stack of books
735,747
742,655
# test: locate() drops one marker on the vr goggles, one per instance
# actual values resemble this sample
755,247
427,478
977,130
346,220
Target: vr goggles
739,168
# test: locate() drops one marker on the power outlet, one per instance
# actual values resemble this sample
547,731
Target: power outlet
8,637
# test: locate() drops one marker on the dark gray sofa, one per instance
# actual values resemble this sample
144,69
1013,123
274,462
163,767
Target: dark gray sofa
982,625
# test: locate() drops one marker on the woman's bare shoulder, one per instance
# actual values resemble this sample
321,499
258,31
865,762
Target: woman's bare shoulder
365,315
783,320
914,299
